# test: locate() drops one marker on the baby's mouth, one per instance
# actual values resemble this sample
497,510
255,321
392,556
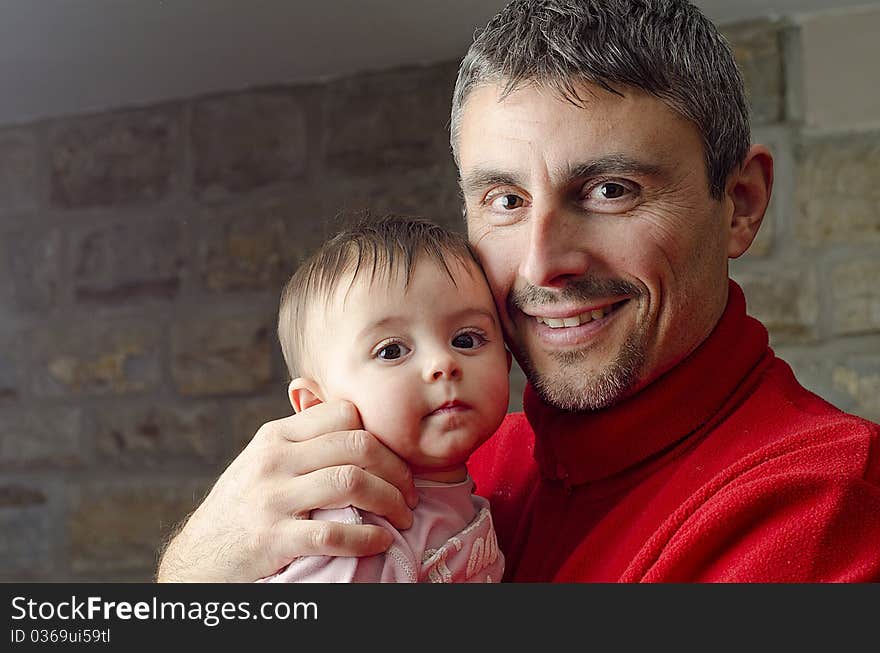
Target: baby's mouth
449,407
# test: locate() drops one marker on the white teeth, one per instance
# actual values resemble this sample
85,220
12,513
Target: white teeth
577,320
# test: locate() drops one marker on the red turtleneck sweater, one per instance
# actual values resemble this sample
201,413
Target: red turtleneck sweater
723,469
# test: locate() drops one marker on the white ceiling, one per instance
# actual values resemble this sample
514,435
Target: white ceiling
70,56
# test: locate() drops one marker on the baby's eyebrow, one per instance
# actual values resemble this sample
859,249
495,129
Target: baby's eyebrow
384,323
393,321
474,311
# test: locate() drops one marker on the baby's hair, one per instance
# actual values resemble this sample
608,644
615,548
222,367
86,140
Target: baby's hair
372,248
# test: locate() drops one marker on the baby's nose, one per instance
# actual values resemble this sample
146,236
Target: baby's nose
441,367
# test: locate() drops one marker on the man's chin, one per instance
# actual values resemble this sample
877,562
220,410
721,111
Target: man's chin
588,395
573,386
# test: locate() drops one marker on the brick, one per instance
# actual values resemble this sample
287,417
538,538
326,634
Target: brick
26,524
116,528
9,377
839,81
34,268
810,367
248,416
125,262
757,47
838,196
48,437
222,356
431,193
94,358
856,296
160,434
248,140
19,185
786,302
393,121
860,380
20,496
258,246
115,158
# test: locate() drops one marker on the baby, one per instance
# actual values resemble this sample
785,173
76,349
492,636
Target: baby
395,315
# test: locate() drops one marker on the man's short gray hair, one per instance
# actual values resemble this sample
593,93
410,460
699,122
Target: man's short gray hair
664,47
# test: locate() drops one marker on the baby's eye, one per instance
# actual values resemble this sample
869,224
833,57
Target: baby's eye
469,340
393,351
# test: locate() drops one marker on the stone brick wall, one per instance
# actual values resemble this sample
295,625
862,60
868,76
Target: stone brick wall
142,251
810,276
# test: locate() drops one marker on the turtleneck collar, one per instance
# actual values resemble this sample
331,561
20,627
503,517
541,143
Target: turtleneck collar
589,446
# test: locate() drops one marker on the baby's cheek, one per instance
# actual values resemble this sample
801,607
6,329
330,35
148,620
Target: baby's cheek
390,417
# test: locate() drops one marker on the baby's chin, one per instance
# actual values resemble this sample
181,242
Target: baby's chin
437,451
453,461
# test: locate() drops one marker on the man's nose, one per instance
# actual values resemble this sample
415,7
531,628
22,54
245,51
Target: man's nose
554,251
442,365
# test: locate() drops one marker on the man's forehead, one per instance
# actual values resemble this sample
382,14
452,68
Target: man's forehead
503,138
489,108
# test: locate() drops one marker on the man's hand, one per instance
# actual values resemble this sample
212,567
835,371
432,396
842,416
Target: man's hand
255,519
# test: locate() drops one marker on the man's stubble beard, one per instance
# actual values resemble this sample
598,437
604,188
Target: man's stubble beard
571,390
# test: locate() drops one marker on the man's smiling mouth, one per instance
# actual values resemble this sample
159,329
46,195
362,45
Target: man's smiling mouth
581,318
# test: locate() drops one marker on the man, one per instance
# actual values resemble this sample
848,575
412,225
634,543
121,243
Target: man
605,161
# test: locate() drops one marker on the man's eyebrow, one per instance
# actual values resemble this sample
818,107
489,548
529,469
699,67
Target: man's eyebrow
611,164
483,178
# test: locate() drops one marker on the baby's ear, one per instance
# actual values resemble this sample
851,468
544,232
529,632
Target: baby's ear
303,393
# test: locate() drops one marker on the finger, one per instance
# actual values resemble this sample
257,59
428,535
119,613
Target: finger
302,537
347,485
322,418
352,448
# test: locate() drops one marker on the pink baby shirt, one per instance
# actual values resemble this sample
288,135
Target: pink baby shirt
452,540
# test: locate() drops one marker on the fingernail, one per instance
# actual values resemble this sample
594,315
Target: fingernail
413,499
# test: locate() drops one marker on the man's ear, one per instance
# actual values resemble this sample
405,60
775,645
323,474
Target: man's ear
304,393
749,191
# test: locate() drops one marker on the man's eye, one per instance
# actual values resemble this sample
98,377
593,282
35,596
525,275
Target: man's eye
468,341
508,201
393,351
611,190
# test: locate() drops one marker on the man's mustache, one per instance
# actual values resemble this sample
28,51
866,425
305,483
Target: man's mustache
584,289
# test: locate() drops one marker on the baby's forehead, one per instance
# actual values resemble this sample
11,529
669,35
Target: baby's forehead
392,283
